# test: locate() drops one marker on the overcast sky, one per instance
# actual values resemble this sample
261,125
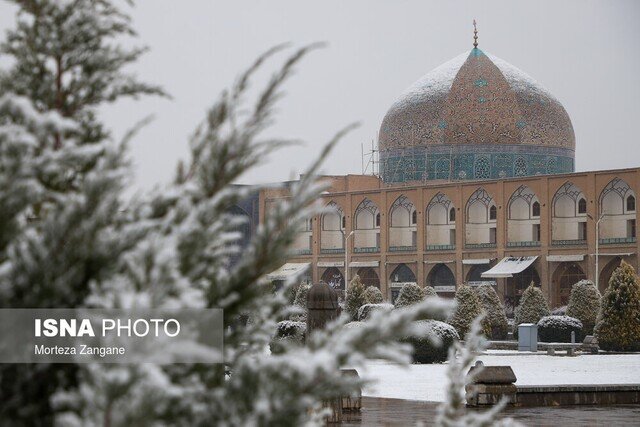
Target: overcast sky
585,52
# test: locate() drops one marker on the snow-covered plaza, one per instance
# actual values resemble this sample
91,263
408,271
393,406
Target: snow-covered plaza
426,382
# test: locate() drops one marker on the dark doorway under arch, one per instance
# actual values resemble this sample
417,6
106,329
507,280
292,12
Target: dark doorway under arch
567,274
475,273
334,278
516,286
441,278
369,277
400,275
607,271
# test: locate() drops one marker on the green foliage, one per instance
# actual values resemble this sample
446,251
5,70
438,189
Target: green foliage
355,297
433,343
618,326
495,316
533,307
410,294
429,292
366,310
559,328
300,302
584,304
373,295
287,333
468,308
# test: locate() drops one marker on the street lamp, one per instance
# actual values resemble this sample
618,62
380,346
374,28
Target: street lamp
346,254
597,246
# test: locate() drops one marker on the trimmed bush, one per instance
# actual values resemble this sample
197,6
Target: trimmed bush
618,326
533,307
468,307
300,301
429,292
559,328
373,295
584,304
424,348
366,310
495,316
355,297
287,331
410,294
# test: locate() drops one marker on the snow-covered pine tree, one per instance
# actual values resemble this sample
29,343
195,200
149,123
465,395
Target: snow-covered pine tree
468,308
66,61
197,235
584,304
373,295
495,316
533,307
300,302
429,292
355,297
618,327
410,294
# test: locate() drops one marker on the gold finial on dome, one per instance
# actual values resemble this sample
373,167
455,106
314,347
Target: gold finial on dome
475,34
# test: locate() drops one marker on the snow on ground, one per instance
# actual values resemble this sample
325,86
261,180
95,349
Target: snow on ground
426,382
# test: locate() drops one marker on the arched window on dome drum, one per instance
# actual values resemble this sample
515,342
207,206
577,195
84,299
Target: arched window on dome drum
493,212
414,217
535,209
378,219
482,168
452,215
582,206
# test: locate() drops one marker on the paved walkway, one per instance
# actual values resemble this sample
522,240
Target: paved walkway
397,412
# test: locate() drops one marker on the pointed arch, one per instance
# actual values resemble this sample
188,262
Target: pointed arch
402,228
481,219
523,218
402,274
366,227
617,203
332,229
569,215
440,223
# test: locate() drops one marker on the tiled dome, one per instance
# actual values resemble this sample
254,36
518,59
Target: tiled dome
475,106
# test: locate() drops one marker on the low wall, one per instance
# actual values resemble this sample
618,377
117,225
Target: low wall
580,394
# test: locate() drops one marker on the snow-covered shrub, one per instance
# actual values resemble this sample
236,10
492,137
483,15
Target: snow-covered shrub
495,316
287,331
559,311
584,304
533,307
355,297
618,326
559,328
300,302
468,307
429,292
367,309
373,295
433,343
410,294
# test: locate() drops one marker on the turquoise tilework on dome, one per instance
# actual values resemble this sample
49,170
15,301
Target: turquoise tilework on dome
474,162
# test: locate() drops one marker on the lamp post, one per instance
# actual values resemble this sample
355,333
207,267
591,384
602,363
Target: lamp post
597,247
346,254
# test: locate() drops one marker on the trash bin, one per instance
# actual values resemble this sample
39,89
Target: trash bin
528,337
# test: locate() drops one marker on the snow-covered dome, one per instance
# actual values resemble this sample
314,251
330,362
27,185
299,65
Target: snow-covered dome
475,117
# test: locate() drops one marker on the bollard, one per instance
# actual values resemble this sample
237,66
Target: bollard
573,337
